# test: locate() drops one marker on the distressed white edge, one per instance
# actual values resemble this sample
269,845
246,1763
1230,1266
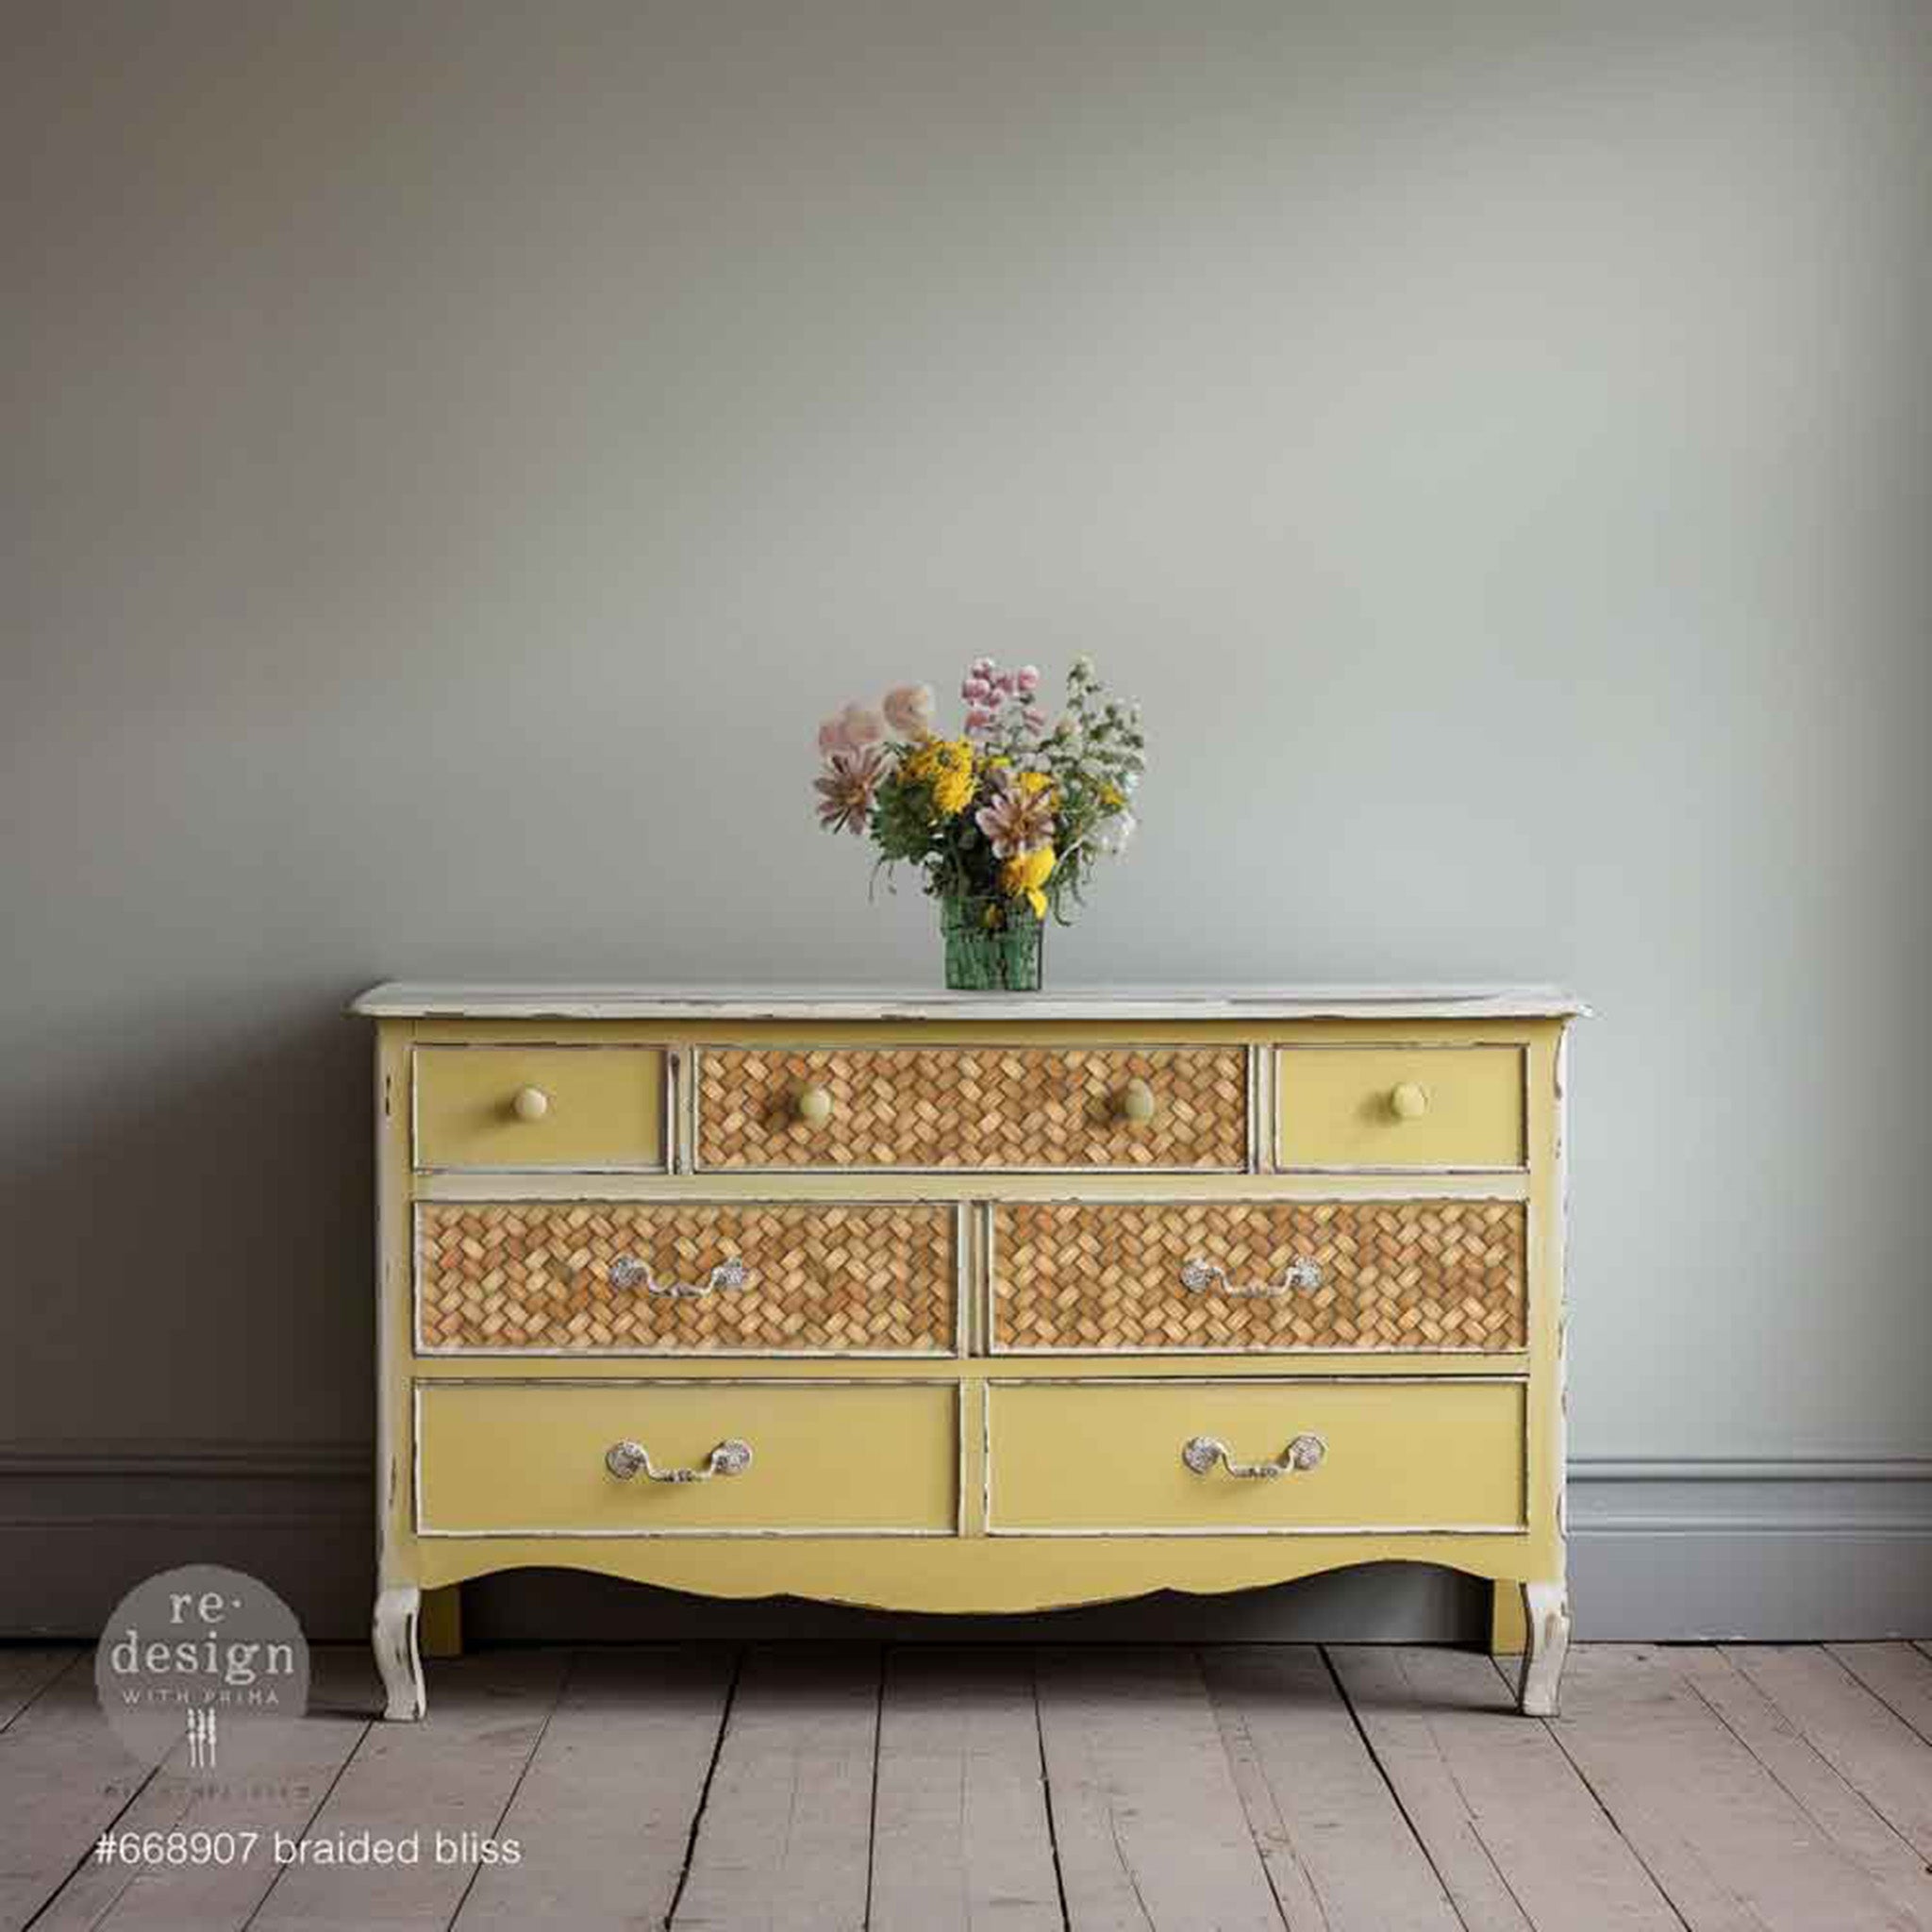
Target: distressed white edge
419,1386
388,1576
456,1000
424,1351
1522,1381
1559,1289
813,1186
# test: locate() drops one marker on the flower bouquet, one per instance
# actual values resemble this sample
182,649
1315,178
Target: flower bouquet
1004,822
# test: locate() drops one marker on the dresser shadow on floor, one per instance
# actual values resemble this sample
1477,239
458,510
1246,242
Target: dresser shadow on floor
1377,1603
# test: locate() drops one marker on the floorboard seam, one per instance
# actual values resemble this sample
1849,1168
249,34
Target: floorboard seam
1052,1843
1872,1691
872,1827
81,1863
349,1756
1770,1772
1583,1777
55,1678
1361,1731
1220,1738
697,1816
570,1664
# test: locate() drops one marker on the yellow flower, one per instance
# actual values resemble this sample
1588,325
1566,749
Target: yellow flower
1025,873
952,790
1113,797
945,766
1034,783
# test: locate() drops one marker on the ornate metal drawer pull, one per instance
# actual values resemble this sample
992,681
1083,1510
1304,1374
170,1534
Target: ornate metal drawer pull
1200,1275
628,1272
1201,1453
626,1459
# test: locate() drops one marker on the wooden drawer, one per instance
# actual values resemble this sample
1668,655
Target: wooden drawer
1081,1458
529,1459
1259,1274
1399,1107
675,1278
971,1107
540,1106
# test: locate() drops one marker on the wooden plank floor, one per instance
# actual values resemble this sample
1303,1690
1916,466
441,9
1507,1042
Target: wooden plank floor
1230,1789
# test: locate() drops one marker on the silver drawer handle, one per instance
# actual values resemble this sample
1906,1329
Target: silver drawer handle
1201,1453
1199,1275
626,1459
628,1272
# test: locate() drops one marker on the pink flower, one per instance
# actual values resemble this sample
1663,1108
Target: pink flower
976,690
1036,719
1028,679
909,709
978,720
1017,820
982,667
862,725
832,735
845,791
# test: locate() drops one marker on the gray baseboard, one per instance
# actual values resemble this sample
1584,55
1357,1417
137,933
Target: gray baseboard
1773,1549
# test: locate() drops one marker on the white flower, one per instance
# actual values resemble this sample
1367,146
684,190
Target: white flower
861,725
909,709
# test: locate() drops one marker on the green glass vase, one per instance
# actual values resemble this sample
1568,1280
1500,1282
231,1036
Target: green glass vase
992,946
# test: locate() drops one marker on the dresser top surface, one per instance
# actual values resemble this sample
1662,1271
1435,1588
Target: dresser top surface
410,1000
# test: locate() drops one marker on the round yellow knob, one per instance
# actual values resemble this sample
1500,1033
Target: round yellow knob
814,1106
1409,1102
1138,1103
531,1103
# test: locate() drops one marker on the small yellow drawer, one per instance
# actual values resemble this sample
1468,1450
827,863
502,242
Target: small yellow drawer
595,1108
1415,1455
1399,1107
532,1459
686,1278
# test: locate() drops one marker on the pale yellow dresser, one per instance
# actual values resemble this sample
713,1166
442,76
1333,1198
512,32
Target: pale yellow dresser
955,1302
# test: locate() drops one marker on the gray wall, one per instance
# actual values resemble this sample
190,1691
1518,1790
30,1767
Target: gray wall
453,453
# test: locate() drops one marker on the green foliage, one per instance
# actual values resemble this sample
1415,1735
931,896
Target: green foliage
1089,762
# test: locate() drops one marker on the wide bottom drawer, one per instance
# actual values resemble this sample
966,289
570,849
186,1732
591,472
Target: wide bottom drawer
574,1458
1251,1457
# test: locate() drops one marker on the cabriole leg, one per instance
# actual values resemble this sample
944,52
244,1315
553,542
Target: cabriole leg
1546,1640
394,1638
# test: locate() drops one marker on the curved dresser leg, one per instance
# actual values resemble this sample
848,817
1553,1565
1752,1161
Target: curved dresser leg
1546,1617
395,1640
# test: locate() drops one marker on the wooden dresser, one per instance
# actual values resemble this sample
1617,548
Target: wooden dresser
950,1302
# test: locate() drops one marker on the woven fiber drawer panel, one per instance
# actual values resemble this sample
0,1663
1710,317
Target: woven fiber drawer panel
1394,1274
968,1106
873,1278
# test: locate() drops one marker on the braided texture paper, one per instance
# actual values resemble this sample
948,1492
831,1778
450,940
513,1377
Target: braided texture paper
968,1106
1396,1274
